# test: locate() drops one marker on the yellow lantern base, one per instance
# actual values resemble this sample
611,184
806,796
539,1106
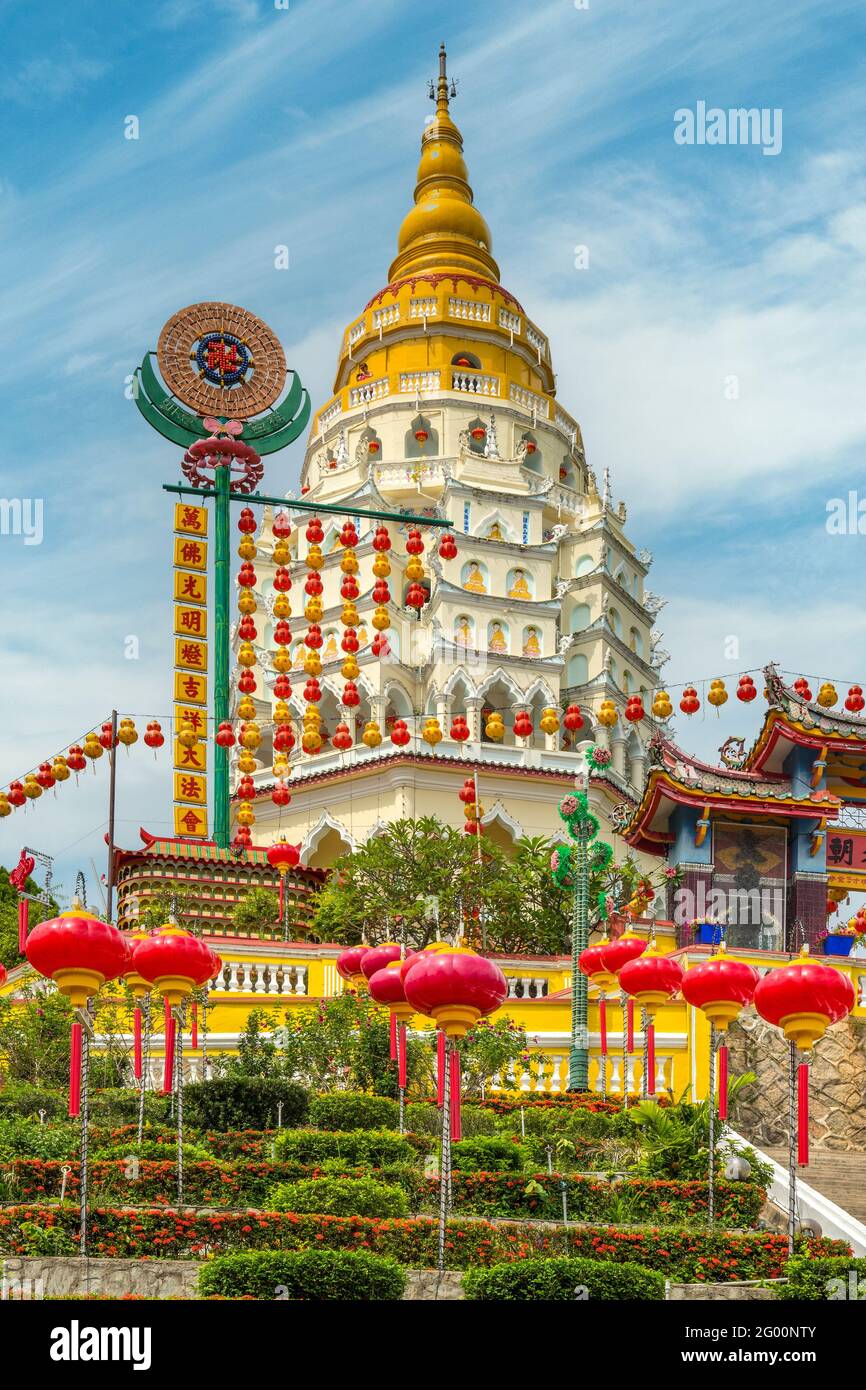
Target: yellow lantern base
455,1020
78,985
604,981
722,1012
804,1029
402,1012
652,1000
176,988
138,986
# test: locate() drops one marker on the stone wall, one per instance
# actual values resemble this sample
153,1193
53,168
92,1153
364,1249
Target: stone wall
837,1115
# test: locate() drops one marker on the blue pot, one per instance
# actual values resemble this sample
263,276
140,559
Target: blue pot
838,945
709,934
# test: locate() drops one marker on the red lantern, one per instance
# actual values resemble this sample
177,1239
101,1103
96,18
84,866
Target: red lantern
348,965
282,526
804,998
377,957
283,856
380,646
351,698
400,734
746,689
246,788
414,543
634,710
312,691
282,687
422,436
350,643
45,777
801,686
573,719
314,533
522,725
381,592
467,791
246,521
246,682
313,584
855,701
720,988
590,963
459,728
243,837
313,638
374,446
175,963
690,704
281,795
282,633
447,547
105,737
478,433
247,630
15,796
386,987
246,576
348,535
456,987
342,739
282,579
416,596
349,589
652,979
381,539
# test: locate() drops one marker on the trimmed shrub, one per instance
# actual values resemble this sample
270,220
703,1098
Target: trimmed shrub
116,1106
340,1197
827,1280
19,1098
488,1155
25,1137
563,1280
426,1118
361,1146
353,1110
307,1275
152,1150
240,1102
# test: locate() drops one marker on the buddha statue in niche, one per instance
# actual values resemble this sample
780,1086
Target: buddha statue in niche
463,631
474,581
532,646
497,641
520,588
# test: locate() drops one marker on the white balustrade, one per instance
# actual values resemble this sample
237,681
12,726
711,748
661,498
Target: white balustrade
527,987
538,341
423,308
469,309
509,320
370,391
357,332
383,318
329,413
567,426
417,382
259,977
536,405
475,383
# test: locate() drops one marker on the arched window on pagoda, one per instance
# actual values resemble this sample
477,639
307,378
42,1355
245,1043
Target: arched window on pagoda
421,440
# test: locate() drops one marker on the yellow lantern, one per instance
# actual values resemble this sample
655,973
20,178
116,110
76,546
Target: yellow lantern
186,735
661,705
312,715
247,548
494,727
246,601
315,558
349,562
5,808
246,761
371,735
350,670
313,609
349,615
549,721
59,769
246,655
91,747
247,707
827,695
473,810
281,767
431,732
31,787
282,607
381,566
414,569
607,714
311,741
282,554
717,694
127,733
282,713
251,737
380,618
245,814
282,660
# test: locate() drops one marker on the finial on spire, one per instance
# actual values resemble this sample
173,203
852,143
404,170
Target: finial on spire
439,91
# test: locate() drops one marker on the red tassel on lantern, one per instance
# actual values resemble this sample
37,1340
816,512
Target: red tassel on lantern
401,1058
75,1071
393,1037
440,1069
168,1069
629,1027
23,923
136,1017
723,1081
602,1023
651,1057
803,1114
456,1116
194,1026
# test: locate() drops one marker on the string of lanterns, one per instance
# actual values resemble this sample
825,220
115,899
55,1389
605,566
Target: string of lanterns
57,769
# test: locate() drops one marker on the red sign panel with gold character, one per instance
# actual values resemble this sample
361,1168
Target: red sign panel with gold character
190,675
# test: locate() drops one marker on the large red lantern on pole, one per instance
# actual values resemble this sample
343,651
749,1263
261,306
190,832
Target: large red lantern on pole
375,958
803,998
348,965
139,988
387,988
614,956
590,963
175,963
282,857
651,979
721,988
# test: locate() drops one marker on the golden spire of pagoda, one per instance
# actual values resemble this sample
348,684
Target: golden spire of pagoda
443,230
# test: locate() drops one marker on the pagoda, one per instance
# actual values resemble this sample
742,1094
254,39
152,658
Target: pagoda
444,404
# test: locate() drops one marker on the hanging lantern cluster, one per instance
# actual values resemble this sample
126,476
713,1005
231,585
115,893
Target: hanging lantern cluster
721,988
746,690
282,664
247,736
651,979
57,769
381,593
573,719
447,547
523,726
459,728
400,734
634,710
690,704
416,594
174,962
311,737
801,685
472,809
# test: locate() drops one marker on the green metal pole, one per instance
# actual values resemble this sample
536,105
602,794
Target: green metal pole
221,653
293,504
578,1057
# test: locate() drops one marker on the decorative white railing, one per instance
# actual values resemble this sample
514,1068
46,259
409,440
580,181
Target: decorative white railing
567,426
469,309
536,405
537,340
417,382
357,332
548,1072
330,413
475,383
383,318
527,986
509,320
423,308
370,391
256,977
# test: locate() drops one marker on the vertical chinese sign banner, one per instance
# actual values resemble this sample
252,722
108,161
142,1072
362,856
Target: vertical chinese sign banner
190,669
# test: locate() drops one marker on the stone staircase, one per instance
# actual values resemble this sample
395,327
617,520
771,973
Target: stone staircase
837,1174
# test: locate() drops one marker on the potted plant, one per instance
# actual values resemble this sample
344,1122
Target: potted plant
841,939
708,933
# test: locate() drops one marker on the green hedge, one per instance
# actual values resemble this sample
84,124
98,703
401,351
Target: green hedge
488,1155
564,1280
353,1110
239,1102
340,1197
838,1278
25,1137
370,1147
688,1256
308,1275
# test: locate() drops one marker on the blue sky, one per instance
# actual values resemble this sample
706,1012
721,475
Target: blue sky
262,126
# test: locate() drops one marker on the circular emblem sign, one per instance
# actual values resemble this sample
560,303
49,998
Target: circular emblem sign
221,360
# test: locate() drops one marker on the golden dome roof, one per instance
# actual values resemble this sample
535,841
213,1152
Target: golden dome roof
444,229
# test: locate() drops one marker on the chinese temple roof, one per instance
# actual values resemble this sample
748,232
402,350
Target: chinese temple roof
836,735
169,847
